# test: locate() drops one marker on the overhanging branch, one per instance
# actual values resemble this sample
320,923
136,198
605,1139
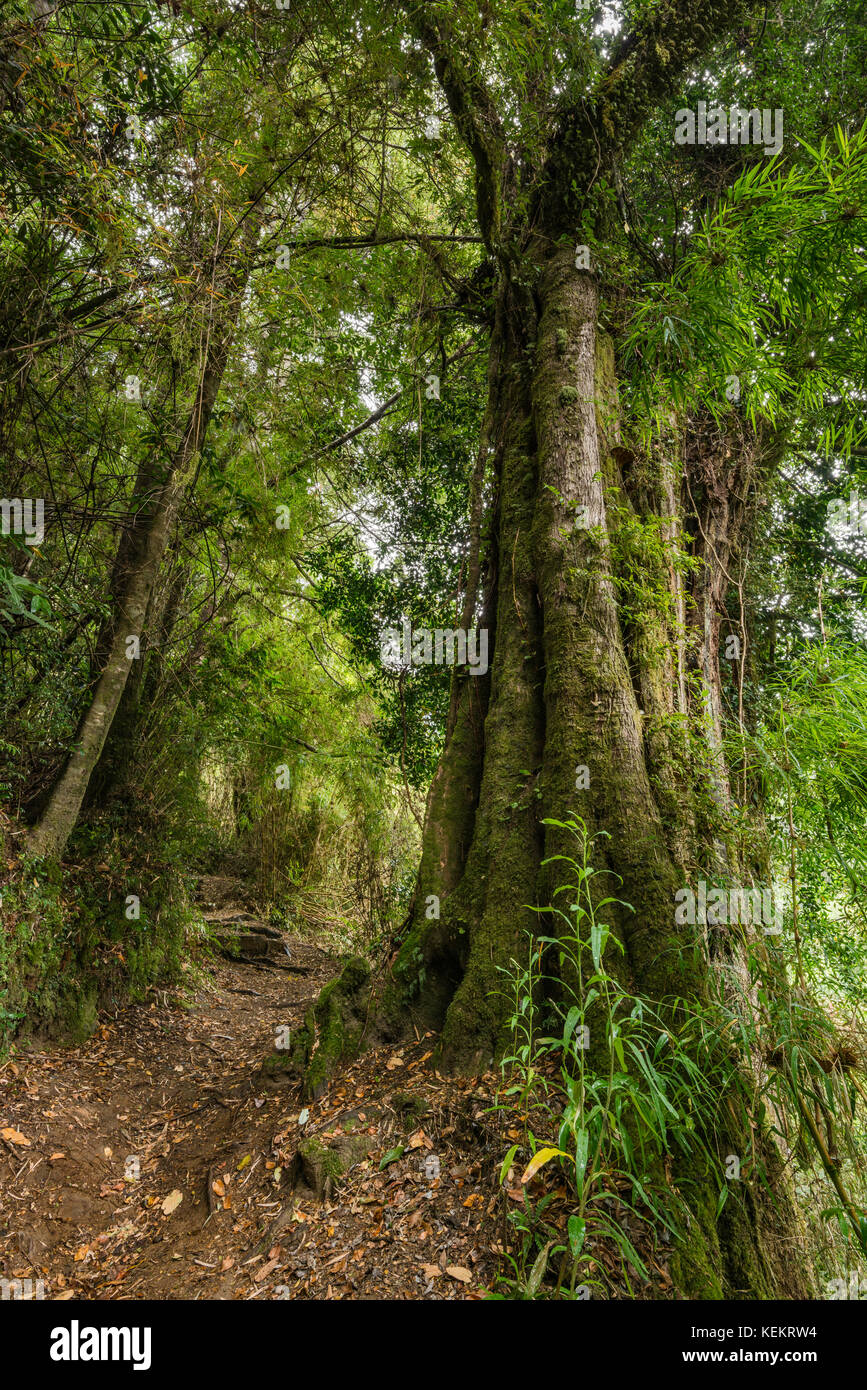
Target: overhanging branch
472,106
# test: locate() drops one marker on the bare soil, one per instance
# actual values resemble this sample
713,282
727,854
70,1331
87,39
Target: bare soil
155,1161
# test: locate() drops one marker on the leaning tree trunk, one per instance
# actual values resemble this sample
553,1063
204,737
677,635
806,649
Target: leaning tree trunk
116,762
137,566
51,833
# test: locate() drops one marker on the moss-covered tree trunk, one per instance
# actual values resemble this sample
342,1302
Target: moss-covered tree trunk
141,550
130,603
605,586
601,662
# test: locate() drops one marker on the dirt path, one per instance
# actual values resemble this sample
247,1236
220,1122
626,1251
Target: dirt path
154,1161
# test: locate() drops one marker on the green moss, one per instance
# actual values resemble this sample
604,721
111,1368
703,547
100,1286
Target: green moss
410,1107
696,1263
321,1166
76,1014
332,1027
277,1062
67,948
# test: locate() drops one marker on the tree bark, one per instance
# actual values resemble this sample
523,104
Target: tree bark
136,570
634,697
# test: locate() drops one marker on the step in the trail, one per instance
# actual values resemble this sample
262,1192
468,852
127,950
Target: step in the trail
248,943
220,891
250,925
229,914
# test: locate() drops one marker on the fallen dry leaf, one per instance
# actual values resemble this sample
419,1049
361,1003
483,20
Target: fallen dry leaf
14,1136
431,1271
172,1202
458,1272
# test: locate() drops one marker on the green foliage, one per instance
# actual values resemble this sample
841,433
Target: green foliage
259,733
809,755
609,1095
771,292
68,947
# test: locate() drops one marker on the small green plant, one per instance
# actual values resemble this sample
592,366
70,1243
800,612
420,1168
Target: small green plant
609,1114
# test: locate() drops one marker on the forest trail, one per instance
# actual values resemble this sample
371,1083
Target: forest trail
225,1204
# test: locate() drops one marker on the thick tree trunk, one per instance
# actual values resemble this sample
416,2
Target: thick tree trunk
629,690
562,693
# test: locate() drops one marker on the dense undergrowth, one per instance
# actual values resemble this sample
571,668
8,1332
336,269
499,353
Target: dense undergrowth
605,1088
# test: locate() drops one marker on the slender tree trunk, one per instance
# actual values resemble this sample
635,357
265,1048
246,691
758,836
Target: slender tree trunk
112,770
135,575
